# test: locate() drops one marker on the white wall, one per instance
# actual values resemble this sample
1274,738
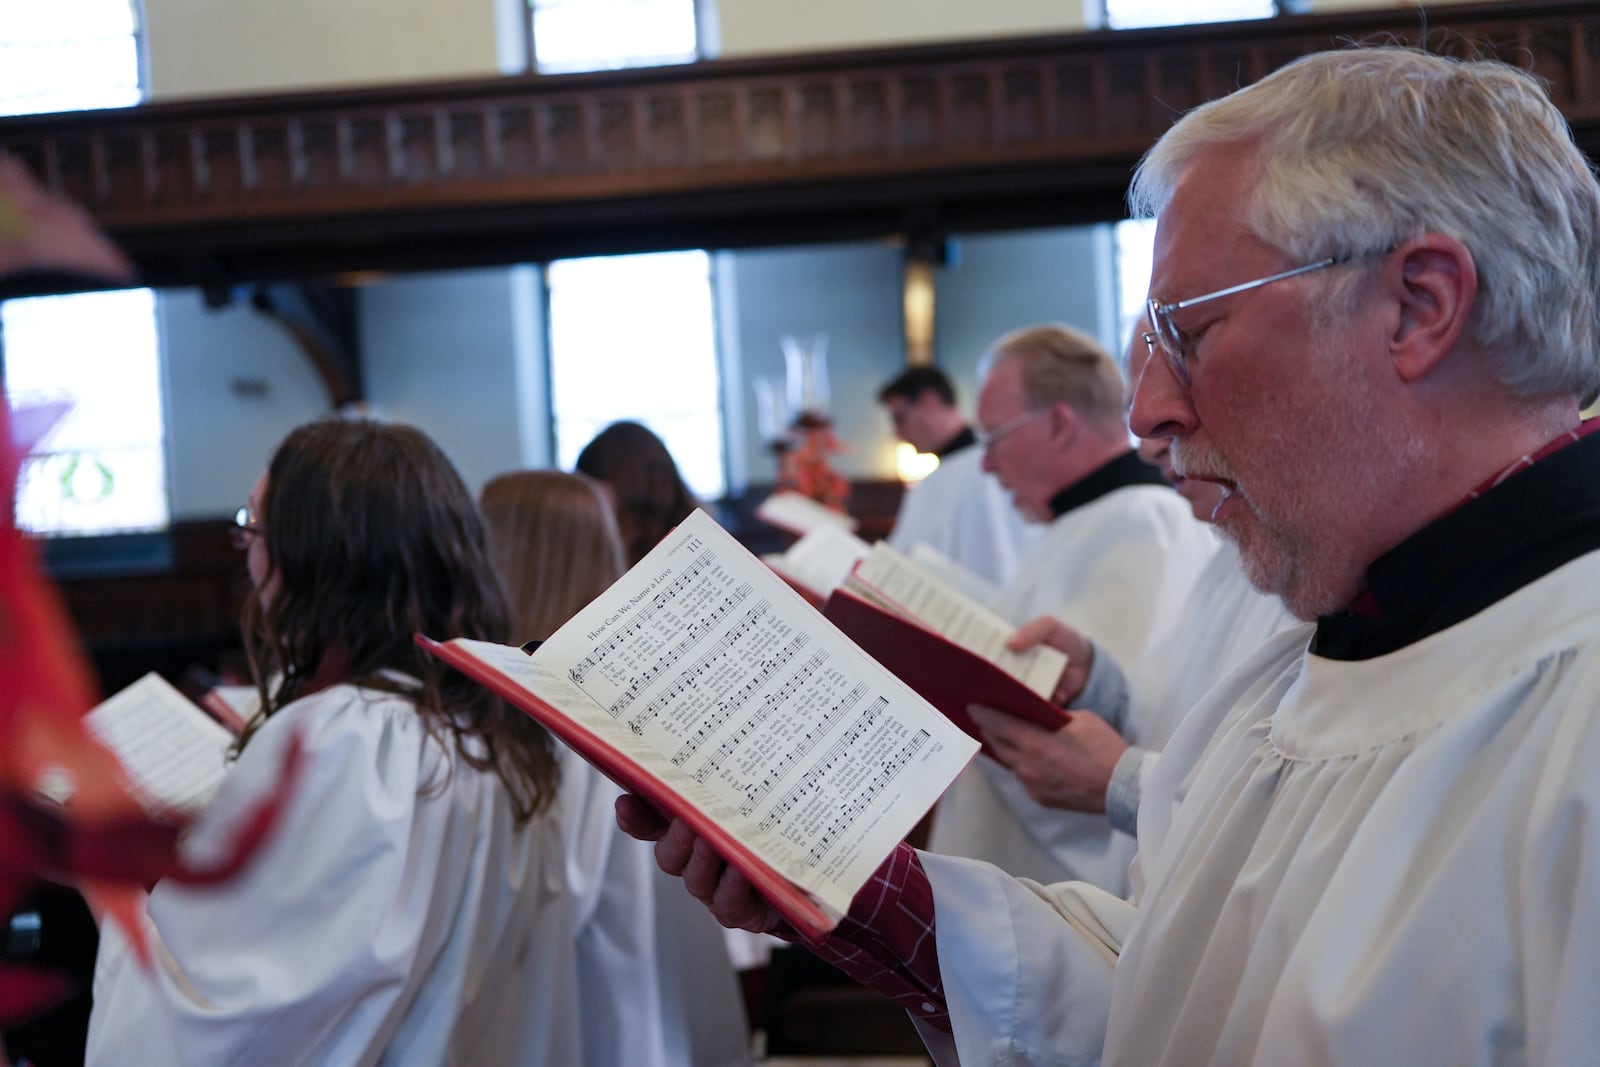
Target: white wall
461,355
999,282
235,384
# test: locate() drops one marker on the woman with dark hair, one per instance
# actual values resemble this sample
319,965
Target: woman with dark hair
649,495
410,908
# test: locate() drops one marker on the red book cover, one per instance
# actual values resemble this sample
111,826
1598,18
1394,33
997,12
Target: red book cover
943,673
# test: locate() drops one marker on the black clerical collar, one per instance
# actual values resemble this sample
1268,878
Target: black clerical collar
1478,554
1127,469
965,439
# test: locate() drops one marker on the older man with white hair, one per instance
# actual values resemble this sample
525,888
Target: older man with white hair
1374,303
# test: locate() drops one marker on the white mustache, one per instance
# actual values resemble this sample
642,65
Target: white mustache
1193,461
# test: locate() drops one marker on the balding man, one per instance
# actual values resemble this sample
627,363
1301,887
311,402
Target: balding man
1118,556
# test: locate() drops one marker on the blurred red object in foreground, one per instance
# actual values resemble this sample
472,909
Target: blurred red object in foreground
67,811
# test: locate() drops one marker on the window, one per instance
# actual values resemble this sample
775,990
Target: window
67,56
631,337
573,35
1131,14
1134,253
103,468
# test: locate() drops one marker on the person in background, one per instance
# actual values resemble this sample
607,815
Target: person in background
655,985
958,510
412,909
1117,558
649,495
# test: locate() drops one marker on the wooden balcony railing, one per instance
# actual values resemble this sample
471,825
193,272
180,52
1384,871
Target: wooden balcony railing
977,135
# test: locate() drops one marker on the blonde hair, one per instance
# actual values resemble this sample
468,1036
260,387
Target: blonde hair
1363,149
553,539
1061,365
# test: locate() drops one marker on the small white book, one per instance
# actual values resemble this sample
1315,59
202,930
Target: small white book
819,562
175,754
799,514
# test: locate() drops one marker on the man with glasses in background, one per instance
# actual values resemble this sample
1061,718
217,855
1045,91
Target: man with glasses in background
1117,557
1383,843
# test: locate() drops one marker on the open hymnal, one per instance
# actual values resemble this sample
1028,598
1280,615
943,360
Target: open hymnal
950,648
819,562
799,514
175,754
703,683
974,586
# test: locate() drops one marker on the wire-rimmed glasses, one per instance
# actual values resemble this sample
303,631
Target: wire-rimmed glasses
987,439
1164,335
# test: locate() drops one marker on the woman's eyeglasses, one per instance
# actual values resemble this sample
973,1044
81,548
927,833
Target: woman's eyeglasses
245,526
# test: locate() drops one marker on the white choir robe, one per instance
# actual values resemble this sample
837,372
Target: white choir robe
1388,861
960,511
655,985
395,916
1119,568
1224,620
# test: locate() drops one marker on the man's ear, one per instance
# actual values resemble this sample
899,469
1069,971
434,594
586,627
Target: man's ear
1065,423
1435,281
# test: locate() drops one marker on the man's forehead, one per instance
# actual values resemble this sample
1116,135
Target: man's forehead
1002,395
1204,223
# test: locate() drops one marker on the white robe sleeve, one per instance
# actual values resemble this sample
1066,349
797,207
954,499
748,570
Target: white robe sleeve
303,958
1027,969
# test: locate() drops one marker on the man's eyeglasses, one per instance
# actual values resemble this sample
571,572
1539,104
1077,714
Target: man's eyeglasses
987,439
245,526
1165,337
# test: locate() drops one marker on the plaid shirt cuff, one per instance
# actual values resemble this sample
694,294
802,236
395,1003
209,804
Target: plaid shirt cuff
887,939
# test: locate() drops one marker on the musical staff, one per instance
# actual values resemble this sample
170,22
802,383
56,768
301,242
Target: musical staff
862,799
686,682
772,701
757,792
644,616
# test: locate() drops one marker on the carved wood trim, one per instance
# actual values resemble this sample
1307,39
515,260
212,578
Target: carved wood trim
976,135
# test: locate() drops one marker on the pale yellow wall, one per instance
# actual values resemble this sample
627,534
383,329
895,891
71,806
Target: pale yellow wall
211,47
753,27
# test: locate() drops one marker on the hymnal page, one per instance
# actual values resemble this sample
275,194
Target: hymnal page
706,670
800,514
174,753
886,575
821,560
973,586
